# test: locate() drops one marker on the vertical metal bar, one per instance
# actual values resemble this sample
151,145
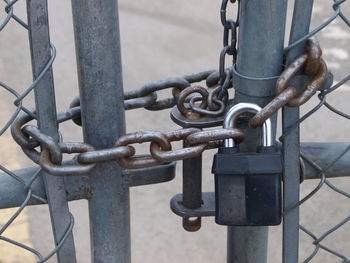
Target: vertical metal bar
260,45
39,39
97,41
192,189
291,143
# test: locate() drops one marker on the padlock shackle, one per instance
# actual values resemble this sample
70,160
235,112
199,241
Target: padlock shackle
238,109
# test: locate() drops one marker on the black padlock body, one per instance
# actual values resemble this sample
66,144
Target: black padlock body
248,187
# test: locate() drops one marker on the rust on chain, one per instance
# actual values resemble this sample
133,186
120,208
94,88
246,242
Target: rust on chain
187,112
46,141
141,137
67,168
17,134
287,75
106,155
208,136
314,52
278,102
312,87
164,155
220,107
179,83
215,106
287,95
213,100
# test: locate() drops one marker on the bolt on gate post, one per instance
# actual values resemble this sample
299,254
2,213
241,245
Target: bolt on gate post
259,63
96,30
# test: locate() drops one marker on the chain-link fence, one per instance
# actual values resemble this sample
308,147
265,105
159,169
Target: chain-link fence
147,97
318,240
31,178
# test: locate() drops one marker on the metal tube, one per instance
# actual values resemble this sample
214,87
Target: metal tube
97,41
13,192
291,143
39,38
260,45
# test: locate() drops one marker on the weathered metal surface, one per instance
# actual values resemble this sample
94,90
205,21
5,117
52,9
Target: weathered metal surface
154,175
292,96
122,151
290,93
206,209
203,121
291,143
192,190
146,96
97,42
257,58
40,47
77,187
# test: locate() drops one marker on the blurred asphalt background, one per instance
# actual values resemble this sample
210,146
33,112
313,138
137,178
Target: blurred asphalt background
162,39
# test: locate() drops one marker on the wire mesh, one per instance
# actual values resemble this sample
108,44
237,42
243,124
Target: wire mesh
18,101
317,240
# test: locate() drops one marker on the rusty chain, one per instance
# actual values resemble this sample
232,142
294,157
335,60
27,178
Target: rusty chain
210,104
147,97
313,64
217,82
214,99
50,158
30,137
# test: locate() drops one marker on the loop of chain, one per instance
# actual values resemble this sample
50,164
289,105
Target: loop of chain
46,141
29,137
67,168
230,26
140,137
50,158
314,65
146,97
164,155
218,100
189,92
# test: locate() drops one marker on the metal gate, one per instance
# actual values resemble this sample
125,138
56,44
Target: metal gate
263,71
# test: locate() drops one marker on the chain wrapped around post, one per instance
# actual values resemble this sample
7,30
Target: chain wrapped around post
50,158
30,137
314,65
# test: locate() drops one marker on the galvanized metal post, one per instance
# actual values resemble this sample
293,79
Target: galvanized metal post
39,38
98,53
260,59
291,143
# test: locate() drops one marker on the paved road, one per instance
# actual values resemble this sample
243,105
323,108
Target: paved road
159,41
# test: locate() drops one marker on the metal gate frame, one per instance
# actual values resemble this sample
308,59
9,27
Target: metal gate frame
97,40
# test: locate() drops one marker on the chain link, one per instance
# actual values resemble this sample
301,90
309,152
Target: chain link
147,96
215,98
290,96
29,137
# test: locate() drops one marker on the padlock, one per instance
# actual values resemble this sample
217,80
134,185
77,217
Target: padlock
247,184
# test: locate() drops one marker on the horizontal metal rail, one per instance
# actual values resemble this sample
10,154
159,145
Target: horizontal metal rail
77,187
